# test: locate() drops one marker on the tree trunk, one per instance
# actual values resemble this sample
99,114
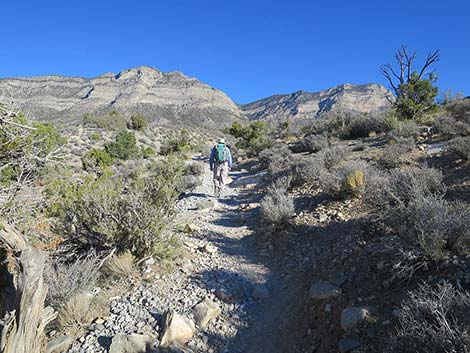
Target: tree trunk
26,321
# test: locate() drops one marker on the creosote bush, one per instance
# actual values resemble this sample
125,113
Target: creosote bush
108,121
434,320
124,147
138,122
180,143
277,207
254,137
97,160
117,212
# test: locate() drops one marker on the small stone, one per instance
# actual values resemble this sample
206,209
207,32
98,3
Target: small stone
324,290
348,344
191,228
99,321
208,248
150,261
176,329
261,291
205,312
131,343
353,316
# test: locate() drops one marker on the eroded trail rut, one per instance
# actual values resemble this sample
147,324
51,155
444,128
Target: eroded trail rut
222,263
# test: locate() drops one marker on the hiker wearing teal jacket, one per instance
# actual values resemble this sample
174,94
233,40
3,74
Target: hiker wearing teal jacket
220,163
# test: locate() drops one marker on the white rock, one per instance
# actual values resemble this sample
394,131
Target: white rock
206,311
176,329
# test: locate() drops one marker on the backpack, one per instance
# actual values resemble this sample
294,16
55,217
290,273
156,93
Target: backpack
220,153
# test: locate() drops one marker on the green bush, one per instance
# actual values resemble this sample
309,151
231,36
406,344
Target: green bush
114,212
147,152
97,160
95,136
124,147
180,143
109,121
138,122
255,137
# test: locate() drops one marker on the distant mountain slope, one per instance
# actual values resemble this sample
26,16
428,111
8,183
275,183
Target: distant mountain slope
166,98
301,105
173,98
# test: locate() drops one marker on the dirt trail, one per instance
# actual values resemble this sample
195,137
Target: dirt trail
222,263
230,231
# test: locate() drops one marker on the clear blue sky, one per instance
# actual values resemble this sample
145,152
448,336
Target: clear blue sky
250,49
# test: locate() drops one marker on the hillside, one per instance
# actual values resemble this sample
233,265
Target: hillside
163,97
173,98
300,106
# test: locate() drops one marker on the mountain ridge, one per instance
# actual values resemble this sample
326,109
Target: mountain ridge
172,97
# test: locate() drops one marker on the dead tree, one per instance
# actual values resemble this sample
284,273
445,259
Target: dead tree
25,322
405,70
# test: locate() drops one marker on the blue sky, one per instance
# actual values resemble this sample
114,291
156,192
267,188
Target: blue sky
248,49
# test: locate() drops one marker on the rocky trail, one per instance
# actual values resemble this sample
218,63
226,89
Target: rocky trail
243,293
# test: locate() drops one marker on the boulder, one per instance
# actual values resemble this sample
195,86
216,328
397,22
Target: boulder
206,311
176,329
324,290
353,316
205,204
132,343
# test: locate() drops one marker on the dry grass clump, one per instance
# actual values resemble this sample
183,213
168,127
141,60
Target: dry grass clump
434,320
121,265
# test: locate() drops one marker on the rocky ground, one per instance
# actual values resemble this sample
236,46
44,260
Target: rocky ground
222,269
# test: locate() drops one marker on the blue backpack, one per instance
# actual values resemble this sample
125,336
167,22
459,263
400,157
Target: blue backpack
220,153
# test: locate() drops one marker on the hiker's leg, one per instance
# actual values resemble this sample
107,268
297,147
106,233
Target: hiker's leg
215,179
223,177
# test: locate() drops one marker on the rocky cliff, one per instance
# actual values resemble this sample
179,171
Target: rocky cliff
163,97
173,98
300,106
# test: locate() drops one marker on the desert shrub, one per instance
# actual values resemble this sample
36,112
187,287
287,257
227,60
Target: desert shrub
434,320
138,122
364,125
97,160
398,187
461,147
405,129
277,160
67,279
95,136
255,137
120,265
277,207
124,146
147,152
392,155
314,143
180,143
109,121
333,155
449,127
432,225
345,180
115,212
196,169
460,109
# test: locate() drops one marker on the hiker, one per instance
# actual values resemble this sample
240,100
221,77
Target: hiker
220,163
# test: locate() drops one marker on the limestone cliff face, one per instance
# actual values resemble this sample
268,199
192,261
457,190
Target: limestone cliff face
173,98
163,97
301,106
